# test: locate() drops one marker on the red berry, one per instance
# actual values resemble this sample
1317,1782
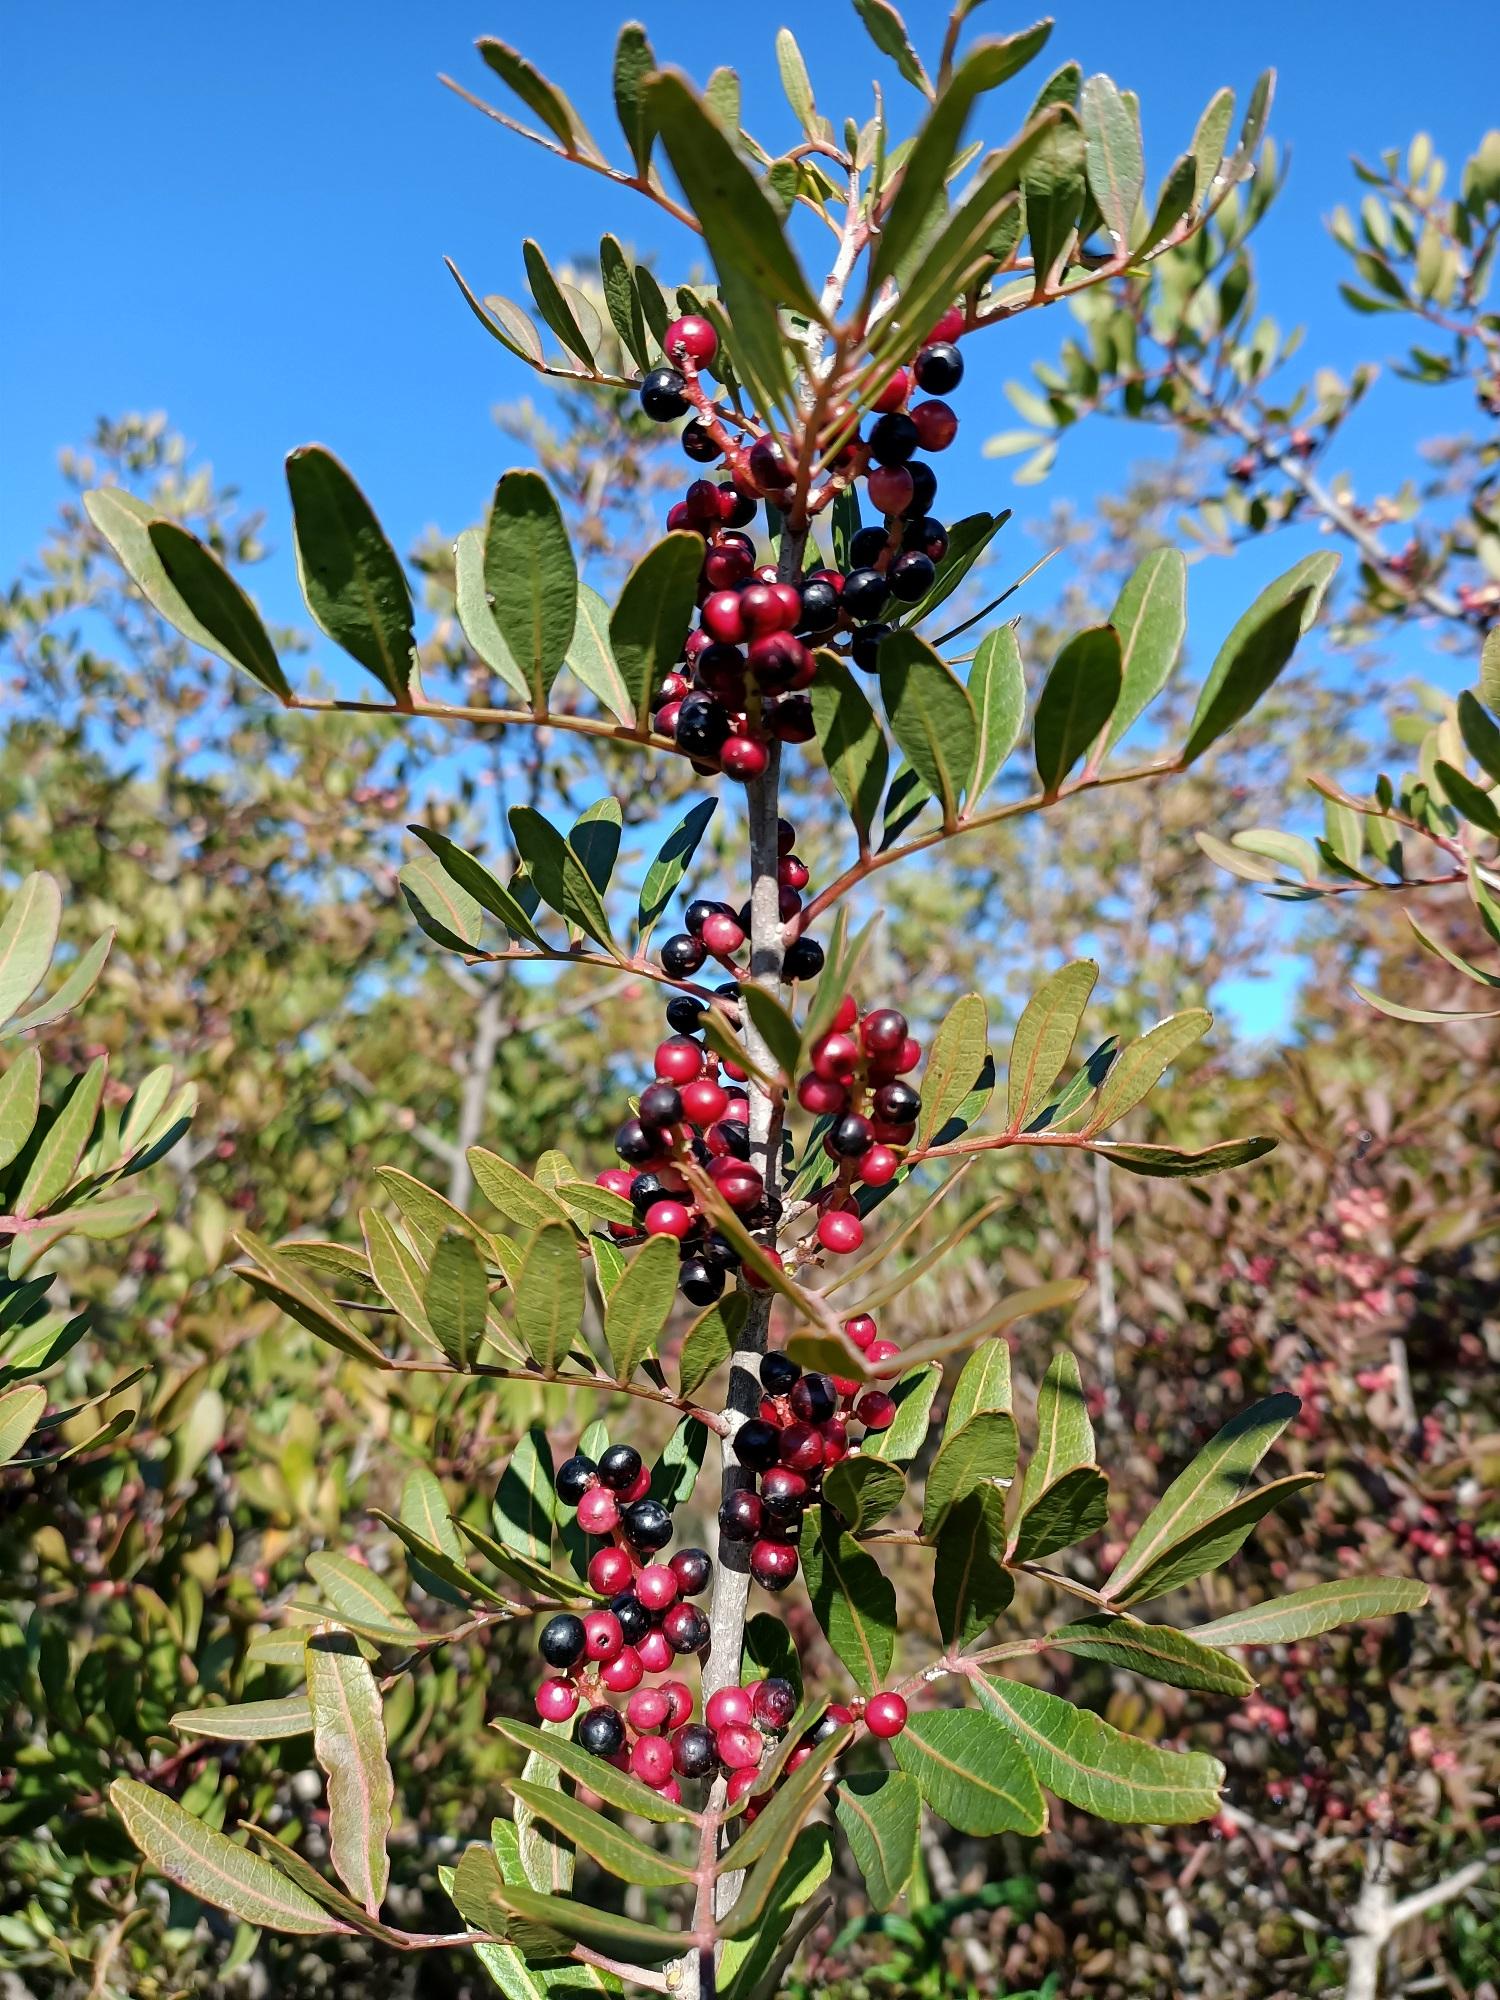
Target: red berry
650,1709
882,1031
610,1570
556,1701
891,489
598,1511
786,836
878,1167
704,1102
623,1672
792,872
723,935
668,1218
798,1758
741,1782
882,1350
656,1655
742,1187
773,1564
835,1056
638,1488
948,327
835,1440
680,1697
753,1280
788,903
602,1636
840,1232
616,1179
721,617
678,517
685,1629
760,608
651,1761
679,1060
937,426
656,1587
730,1706
740,1747
895,393
702,503
885,1714
744,758
861,1329
690,338
724,568
875,1410
801,1448
821,1095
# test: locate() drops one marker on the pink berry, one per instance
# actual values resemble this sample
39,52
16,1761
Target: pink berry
729,1708
680,1697
556,1701
668,1218
616,1179
598,1511
885,1714
878,1167
840,1232
692,338
891,489
602,1637
623,1672
743,757
649,1709
656,1654
679,1060
739,1746
638,1488
875,1410
610,1570
651,1761
656,1587
722,935
835,1056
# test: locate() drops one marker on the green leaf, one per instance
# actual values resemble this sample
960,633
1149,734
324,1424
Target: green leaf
637,1308
852,1599
1044,1038
248,1722
1169,1163
931,717
349,1743
1056,188
983,1384
987,65
635,64
1174,202
19,1410
1472,800
424,1509
560,877
740,227
774,1025
20,1100
881,1814
549,1297
1150,616
652,614
351,577
610,1845
1095,1767
763,1847
277,1278
983,1449
289,1863
913,1396
595,838
1076,703
477,882
997,688
1211,1543
476,616
887,31
756,1967
675,1473
28,938
55,1161
1282,1621
1142,1064
864,1490
446,911
671,864
1208,140
616,1788
213,1868
970,1583
1489,669
75,989
967,541
851,740
484,1897
971,1772
456,1299
623,303
1208,1483
1256,650
1115,165
515,1194
591,660
531,578
710,1340
354,1592
526,1502
219,605
540,97
552,303
1064,1434
1073,1507
959,1052
1156,1651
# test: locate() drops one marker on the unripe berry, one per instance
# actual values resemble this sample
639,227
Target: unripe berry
610,1570
740,1748
878,1167
821,1095
728,1707
875,1410
801,1448
703,1101
556,1701
774,1704
723,935
656,1655
669,1218
690,338
773,1564
656,1587
937,426
744,758
598,1512
891,489
861,1329
722,618
840,1231
623,1672
680,1697
813,1399
836,1438
679,1060
882,1350
651,1761
740,1782
616,1179
895,392
603,1637
648,1709
885,1714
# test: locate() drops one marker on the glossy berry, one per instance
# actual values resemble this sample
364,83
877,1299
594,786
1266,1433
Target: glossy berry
850,1137
912,576
603,1636
699,1282
661,1104
697,441
866,549
602,1732
679,1060
693,1570
662,395
556,1701
895,392
878,1167
885,1714
656,1654
624,1671
840,1231
773,1564
923,488
574,1478
865,594
893,439
701,725
563,1641
681,956
757,1444
743,757
835,1055
803,959
723,934
892,489
875,1410
619,1467
669,1218
739,1746
783,1495
690,338
897,1103
778,1372
693,1752
864,646
651,1761
813,1399
610,1570
741,1515
801,1448
775,1703
648,1525
634,1618
861,1329
883,1030
820,605
927,536
834,1718
685,1628
684,1014
656,1587
939,368
882,1350
598,1512
702,1101
680,1702
648,1708
937,426
635,1145
728,1708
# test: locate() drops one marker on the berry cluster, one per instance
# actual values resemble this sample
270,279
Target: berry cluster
856,1081
746,667
801,1430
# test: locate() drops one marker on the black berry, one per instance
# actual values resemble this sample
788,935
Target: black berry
814,1399
923,488
635,1619
757,1444
740,1515
692,1569
620,1467
939,368
561,1643
867,547
662,395
693,1751
574,1478
864,647
699,1281
684,1014
803,960
865,594
602,1732
697,441
893,439
634,1144
777,1374
911,576
851,1136
648,1525
897,1103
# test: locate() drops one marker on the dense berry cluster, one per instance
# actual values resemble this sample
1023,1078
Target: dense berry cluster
856,1081
800,1431
743,678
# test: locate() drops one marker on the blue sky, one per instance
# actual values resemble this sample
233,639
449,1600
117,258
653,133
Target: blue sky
240,219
